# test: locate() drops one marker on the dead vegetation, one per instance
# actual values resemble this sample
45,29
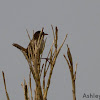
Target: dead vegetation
39,72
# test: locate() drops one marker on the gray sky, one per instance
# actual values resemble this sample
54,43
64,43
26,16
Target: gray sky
79,18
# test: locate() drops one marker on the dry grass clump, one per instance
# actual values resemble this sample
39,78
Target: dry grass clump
36,69
39,71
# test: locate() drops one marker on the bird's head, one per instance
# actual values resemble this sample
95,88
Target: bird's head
37,34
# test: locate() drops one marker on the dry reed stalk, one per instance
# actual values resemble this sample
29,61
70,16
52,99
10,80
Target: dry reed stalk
72,73
30,85
53,58
25,89
34,65
5,86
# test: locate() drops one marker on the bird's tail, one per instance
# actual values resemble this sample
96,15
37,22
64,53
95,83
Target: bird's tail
19,47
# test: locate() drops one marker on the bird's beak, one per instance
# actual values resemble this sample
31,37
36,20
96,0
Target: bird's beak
45,34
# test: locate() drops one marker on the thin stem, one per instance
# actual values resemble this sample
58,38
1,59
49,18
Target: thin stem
5,86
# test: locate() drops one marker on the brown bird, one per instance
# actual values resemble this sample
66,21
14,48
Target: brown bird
36,36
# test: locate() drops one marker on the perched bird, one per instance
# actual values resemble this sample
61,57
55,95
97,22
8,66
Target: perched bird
36,37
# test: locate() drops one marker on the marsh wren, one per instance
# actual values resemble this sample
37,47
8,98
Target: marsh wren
35,37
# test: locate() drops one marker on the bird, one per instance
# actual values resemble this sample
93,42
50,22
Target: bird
35,38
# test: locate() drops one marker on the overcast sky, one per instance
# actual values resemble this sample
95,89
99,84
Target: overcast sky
80,19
